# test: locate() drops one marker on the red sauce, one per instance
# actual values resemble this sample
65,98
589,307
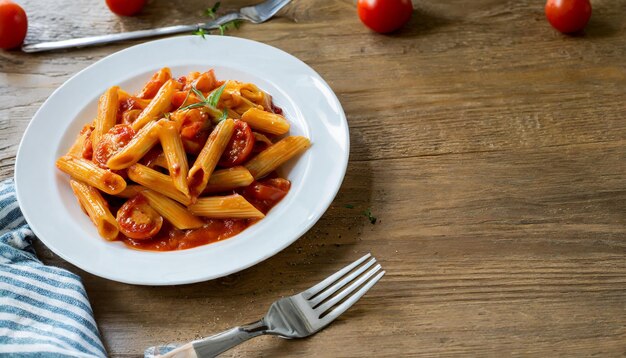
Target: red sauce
169,238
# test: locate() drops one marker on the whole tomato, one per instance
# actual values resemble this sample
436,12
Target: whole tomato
568,16
125,7
13,25
384,15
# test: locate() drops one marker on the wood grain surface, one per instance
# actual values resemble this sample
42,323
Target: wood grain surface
491,148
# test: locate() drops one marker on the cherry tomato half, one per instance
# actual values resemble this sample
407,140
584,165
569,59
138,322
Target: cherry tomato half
239,147
137,219
260,191
110,143
125,7
568,16
384,15
13,25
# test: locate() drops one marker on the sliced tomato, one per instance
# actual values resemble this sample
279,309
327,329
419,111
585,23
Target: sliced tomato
260,191
138,220
110,143
206,82
239,147
194,129
279,183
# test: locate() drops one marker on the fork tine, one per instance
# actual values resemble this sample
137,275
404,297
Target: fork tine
351,301
348,290
270,8
342,283
332,278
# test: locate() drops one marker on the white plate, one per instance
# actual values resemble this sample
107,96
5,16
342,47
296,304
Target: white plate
309,104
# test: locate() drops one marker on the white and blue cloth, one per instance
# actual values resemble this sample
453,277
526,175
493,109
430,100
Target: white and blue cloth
44,310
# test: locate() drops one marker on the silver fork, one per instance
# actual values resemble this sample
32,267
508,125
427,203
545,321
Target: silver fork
255,14
297,316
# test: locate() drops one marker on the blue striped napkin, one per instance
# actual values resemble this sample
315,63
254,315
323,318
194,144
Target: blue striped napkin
44,310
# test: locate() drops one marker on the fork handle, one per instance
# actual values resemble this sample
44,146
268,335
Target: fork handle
107,39
219,343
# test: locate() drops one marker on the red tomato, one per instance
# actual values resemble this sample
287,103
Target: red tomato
125,7
568,16
239,147
262,191
13,25
110,143
137,219
195,129
384,15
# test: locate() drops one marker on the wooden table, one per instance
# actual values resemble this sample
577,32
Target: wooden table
490,148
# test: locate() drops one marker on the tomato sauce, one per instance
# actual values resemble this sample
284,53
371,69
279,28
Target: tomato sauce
169,238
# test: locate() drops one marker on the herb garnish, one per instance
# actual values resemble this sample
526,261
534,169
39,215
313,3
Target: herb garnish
209,102
212,10
368,214
200,32
349,206
229,26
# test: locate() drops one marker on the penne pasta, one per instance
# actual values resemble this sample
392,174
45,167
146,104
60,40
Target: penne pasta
107,114
175,155
90,173
130,191
163,201
158,182
225,207
265,121
141,144
158,79
174,212
206,161
97,209
78,148
256,95
159,104
271,158
228,179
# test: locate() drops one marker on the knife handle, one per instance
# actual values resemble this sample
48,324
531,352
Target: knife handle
111,38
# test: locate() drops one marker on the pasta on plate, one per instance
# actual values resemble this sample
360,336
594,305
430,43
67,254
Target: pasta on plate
185,162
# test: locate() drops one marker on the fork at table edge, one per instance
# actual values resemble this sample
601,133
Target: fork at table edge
255,14
297,316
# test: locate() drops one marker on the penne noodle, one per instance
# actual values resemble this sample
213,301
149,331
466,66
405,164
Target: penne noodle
254,94
271,158
227,179
225,207
159,161
141,144
265,121
159,104
97,209
90,173
206,161
174,212
158,182
107,114
175,155
78,148
155,83
130,191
